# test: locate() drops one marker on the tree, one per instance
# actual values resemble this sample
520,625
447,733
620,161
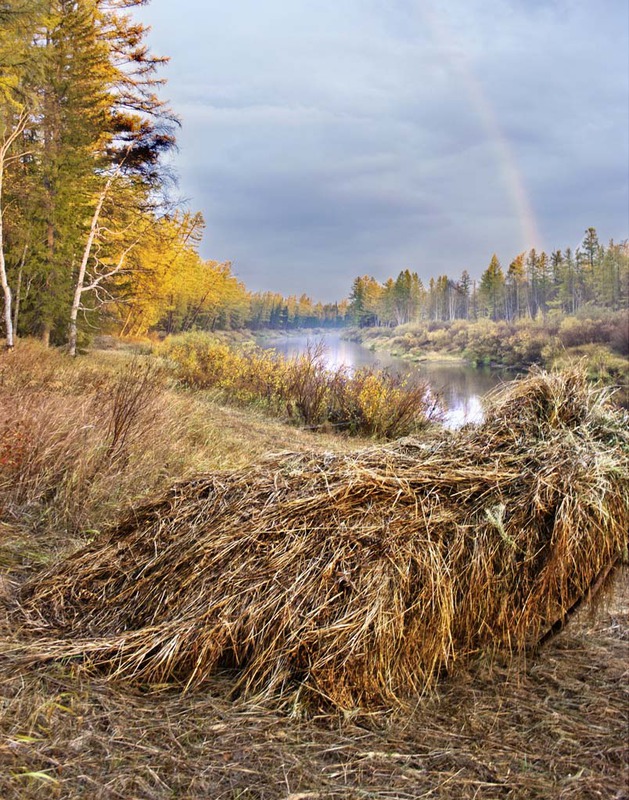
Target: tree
568,287
543,282
365,301
532,270
16,61
591,247
9,134
465,284
492,289
516,288
99,134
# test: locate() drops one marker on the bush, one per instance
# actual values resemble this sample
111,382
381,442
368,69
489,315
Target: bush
369,402
620,338
383,405
575,332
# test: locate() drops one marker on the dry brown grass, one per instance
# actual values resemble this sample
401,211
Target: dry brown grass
354,581
82,439
554,727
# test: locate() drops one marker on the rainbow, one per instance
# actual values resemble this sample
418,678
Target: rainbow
512,176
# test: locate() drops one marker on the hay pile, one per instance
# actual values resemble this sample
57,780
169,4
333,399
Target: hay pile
355,580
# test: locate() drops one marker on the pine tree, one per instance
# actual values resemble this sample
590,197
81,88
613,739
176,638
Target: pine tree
492,289
544,282
516,289
465,284
532,274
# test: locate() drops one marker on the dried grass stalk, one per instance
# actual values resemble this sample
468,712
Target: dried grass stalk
356,580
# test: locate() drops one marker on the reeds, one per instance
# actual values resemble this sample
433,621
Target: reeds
350,581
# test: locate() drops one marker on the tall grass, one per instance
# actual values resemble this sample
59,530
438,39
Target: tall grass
79,439
304,389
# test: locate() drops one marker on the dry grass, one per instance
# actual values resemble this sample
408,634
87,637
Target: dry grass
354,581
81,439
304,389
551,728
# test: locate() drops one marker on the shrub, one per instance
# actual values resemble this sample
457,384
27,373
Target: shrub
369,402
383,405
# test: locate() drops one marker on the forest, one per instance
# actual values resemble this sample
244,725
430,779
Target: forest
534,285
91,237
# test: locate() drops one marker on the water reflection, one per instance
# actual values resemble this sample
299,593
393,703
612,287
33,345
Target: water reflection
459,387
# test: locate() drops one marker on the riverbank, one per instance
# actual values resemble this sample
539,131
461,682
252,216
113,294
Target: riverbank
555,343
551,725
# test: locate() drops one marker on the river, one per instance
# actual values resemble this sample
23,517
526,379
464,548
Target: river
459,386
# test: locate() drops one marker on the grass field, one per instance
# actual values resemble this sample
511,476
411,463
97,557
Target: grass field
551,726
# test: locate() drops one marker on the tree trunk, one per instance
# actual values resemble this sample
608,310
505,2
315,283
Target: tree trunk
8,318
80,281
18,291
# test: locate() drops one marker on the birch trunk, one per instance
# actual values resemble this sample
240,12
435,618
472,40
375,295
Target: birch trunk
18,291
8,319
80,281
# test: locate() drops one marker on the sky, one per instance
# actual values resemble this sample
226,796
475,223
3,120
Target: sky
326,140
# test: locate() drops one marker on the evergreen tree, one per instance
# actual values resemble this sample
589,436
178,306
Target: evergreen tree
544,282
532,274
18,61
465,284
365,301
516,289
492,289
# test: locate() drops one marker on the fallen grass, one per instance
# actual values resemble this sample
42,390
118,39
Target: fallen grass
355,581
554,727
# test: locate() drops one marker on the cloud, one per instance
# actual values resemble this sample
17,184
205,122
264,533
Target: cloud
327,140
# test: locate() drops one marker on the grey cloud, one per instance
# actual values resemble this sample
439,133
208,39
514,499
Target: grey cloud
326,140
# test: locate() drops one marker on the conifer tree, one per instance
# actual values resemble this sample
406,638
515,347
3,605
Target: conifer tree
492,289
465,284
516,288
18,59
94,169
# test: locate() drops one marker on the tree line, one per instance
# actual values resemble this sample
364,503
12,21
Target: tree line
534,284
83,133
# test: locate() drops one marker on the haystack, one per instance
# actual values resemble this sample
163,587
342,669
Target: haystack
356,580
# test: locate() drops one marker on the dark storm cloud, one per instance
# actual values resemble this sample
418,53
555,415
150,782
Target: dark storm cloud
327,140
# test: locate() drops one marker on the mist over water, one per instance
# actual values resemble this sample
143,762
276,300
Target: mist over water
459,387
